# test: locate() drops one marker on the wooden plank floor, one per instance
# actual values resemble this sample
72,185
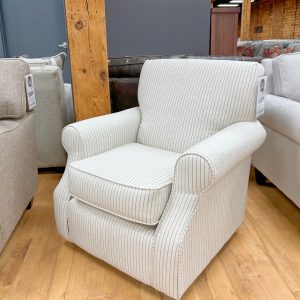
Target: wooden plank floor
261,261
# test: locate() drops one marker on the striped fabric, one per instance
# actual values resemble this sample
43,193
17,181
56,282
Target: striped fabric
185,101
85,139
132,181
193,135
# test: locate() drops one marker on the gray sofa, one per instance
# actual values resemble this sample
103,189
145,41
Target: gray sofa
54,108
18,160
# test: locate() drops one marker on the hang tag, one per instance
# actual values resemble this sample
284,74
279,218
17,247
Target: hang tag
31,102
261,96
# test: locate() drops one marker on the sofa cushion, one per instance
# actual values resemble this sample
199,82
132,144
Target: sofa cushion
286,76
133,182
56,60
12,88
283,116
185,101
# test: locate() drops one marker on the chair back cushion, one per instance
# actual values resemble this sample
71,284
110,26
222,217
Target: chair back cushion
12,88
286,76
185,101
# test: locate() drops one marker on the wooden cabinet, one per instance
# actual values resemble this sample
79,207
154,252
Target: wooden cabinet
224,31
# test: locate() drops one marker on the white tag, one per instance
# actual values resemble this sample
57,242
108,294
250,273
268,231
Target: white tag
31,102
261,96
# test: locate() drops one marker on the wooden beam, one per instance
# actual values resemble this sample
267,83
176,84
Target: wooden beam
246,20
86,26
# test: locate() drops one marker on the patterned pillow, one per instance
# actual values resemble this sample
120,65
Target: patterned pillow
249,51
272,52
240,50
287,50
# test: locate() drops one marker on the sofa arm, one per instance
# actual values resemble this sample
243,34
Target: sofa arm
69,105
97,135
283,116
207,162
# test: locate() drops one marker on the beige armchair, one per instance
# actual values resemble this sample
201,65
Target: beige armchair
158,190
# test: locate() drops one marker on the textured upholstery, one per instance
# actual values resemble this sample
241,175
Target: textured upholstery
19,172
56,60
268,66
133,181
12,88
279,157
179,115
283,115
54,111
210,173
286,76
279,160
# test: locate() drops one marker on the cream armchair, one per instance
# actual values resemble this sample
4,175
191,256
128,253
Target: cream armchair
279,158
157,191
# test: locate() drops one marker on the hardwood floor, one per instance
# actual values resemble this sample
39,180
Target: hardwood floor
261,261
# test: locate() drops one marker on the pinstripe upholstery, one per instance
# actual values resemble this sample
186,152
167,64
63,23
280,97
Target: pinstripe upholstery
213,129
132,181
185,101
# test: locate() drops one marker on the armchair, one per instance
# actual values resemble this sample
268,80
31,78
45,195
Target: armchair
156,191
279,158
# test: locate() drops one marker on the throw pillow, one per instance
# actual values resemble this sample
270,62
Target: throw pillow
249,51
288,50
272,52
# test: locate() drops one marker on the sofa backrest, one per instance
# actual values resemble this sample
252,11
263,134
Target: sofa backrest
50,114
12,88
185,101
286,76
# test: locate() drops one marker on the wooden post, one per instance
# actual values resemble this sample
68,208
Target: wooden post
86,26
246,20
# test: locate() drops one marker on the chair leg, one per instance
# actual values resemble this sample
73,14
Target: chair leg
260,178
29,206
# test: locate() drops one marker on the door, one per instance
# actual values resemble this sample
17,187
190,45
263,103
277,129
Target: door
224,31
33,27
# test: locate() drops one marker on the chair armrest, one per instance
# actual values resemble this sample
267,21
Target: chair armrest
97,135
207,162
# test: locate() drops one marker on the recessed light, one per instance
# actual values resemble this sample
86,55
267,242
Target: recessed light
228,5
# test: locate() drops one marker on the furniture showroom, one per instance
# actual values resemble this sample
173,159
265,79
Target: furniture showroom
150,150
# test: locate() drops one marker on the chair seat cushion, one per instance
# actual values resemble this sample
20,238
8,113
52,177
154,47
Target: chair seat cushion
133,181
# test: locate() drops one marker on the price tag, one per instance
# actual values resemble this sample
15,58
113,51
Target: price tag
261,96
31,102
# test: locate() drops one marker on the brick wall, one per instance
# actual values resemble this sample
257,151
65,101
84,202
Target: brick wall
280,19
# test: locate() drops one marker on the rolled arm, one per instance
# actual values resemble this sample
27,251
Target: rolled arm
207,162
97,135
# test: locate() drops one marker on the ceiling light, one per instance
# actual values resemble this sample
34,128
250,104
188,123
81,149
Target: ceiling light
228,5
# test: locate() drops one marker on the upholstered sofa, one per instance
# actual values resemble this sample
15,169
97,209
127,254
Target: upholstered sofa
267,48
279,157
54,108
157,190
18,159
